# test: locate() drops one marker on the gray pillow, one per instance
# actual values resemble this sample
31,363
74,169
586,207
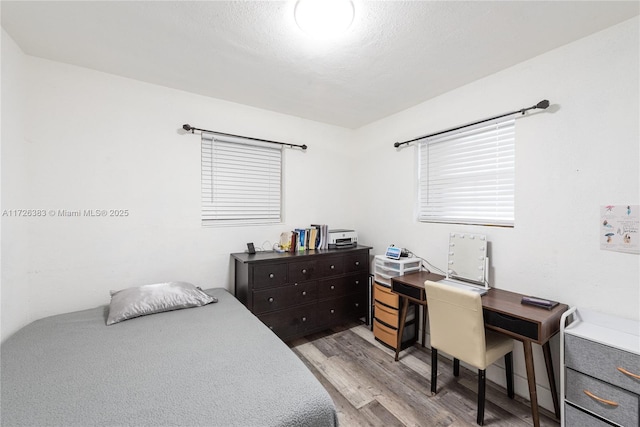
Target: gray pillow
156,298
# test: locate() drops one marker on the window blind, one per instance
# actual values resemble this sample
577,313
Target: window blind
241,181
468,176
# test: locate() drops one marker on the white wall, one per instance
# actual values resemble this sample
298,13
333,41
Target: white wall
14,301
583,152
97,141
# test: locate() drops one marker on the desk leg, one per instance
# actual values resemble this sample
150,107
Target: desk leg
424,324
546,349
531,379
403,319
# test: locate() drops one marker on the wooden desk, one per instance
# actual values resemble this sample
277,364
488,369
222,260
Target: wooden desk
504,313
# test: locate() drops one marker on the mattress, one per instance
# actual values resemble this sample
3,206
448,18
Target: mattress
215,365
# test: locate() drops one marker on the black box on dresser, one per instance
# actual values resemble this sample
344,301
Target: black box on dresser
296,294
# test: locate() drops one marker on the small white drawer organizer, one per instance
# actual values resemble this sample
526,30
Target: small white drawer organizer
385,268
600,376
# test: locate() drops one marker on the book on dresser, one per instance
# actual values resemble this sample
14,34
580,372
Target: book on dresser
299,293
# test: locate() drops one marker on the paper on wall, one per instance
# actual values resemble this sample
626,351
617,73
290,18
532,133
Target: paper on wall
619,226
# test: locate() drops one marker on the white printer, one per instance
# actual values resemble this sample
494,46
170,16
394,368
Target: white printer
342,239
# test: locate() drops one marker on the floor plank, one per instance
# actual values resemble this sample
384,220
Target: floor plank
370,389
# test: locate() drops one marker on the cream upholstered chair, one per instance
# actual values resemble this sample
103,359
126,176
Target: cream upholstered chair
456,326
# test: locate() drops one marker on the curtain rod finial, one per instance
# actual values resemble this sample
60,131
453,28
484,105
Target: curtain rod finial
304,146
186,127
543,104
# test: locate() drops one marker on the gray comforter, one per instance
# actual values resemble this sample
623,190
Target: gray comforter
216,365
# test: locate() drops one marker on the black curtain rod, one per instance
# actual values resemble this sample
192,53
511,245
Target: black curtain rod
542,104
191,128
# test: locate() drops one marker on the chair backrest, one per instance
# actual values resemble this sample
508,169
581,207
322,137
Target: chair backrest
456,323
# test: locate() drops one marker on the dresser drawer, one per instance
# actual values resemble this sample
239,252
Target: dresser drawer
301,271
339,286
292,322
356,262
331,266
269,275
623,408
337,310
332,288
575,417
386,314
384,295
271,299
602,362
359,302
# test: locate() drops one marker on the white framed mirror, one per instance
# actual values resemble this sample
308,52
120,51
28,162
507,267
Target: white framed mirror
467,258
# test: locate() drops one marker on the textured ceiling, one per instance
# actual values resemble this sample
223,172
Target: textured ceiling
395,55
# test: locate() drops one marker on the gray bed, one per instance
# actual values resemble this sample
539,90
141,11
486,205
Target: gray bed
215,365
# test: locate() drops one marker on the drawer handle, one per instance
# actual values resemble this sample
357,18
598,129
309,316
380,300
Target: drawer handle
357,282
333,267
332,311
270,299
304,271
271,276
332,287
304,319
599,399
357,263
304,293
624,371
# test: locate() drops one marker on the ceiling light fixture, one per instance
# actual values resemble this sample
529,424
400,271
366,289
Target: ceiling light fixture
324,18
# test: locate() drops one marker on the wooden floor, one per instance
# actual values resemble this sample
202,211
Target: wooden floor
370,389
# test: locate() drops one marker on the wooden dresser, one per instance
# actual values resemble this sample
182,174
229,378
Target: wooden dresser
296,294
601,382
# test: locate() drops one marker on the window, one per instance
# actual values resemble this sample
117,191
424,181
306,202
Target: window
241,181
467,176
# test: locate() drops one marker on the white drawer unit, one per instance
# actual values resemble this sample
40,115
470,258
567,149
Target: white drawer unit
386,268
600,377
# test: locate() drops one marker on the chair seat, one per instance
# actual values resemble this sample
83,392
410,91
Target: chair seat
497,346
